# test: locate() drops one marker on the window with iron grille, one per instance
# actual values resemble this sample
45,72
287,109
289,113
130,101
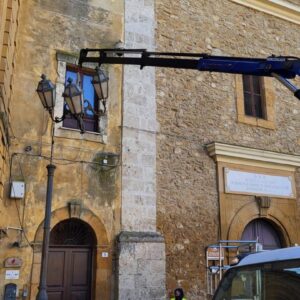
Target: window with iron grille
83,78
254,103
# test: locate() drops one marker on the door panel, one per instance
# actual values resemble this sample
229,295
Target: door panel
69,273
55,296
79,296
55,274
80,263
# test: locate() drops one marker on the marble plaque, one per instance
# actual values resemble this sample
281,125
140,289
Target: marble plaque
250,183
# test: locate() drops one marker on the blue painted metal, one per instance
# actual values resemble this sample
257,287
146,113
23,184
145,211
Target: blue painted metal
280,67
259,67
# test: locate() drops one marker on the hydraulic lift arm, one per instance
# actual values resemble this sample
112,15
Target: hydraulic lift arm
280,67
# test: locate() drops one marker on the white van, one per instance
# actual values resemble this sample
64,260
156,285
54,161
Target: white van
269,275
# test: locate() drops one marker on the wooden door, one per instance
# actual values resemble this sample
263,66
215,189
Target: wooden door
69,273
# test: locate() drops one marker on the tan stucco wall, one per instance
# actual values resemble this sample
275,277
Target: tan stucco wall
195,109
45,28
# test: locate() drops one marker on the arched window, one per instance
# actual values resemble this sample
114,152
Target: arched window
265,232
72,232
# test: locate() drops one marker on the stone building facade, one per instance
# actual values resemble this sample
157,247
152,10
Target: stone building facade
86,197
9,11
204,132
137,201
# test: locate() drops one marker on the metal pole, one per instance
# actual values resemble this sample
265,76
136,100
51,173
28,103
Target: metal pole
42,294
285,82
288,84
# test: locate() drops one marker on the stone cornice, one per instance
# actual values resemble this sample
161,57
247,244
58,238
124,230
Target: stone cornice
278,8
228,153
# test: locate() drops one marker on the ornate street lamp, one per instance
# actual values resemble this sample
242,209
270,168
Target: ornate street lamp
73,98
72,95
100,83
46,92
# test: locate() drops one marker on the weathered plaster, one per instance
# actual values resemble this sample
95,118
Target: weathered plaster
73,25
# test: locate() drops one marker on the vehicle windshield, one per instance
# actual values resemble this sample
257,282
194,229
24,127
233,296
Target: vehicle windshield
267,281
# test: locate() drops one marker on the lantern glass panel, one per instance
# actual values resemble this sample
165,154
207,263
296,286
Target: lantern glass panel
73,98
42,98
69,102
77,104
50,98
98,90
100,83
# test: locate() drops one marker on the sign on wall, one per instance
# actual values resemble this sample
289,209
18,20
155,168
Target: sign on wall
249,183
12,274
214,253
13,262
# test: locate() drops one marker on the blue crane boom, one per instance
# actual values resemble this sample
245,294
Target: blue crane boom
280,67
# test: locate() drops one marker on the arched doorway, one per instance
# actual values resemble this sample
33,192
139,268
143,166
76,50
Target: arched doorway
267,234
70,266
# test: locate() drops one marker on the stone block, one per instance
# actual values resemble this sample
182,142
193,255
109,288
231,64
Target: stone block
140,281
141,251
156,251
127,282
151,266
127,294
149,277
151,293
137,219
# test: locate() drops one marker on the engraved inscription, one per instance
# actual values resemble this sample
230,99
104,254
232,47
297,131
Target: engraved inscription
258,184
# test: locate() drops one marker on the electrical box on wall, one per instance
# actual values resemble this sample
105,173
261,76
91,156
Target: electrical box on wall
17,189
